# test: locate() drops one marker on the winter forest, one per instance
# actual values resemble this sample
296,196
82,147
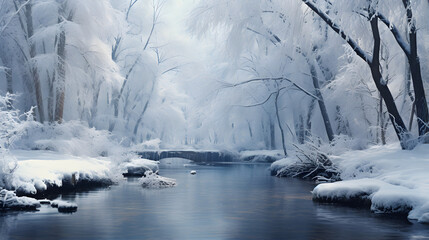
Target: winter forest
330,91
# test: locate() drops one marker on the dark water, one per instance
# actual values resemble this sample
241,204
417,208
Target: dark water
220,202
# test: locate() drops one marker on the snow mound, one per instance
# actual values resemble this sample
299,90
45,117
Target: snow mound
153,180
137,167
9,200
386,178
39,170
64,206
347,189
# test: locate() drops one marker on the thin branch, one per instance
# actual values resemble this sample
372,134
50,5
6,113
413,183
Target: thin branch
265,101
359,51
132,2
271,40
13,15
275,79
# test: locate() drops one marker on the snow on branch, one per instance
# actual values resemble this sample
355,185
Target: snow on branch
12,16
399,39
359,51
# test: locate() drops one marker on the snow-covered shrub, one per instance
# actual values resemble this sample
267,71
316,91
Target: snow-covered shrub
72,137
313,159
309,161
12,126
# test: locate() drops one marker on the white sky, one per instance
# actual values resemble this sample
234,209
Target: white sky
175,20
187,49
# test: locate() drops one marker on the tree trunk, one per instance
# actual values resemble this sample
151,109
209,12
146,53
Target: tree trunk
9,79
94,106
413,111
34,70
272,135
415,68
413,58
136,127
398,123
374,64
309,116
51,97
381,122
342,123
321,101
139,120
61,77
250,129
119,96
300,130
280,123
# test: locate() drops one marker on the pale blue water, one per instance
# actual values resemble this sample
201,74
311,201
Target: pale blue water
238,201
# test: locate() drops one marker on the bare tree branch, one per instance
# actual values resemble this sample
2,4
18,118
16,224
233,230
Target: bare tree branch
275,79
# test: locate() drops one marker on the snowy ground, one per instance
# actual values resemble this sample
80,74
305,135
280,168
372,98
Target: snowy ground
38,170
390,179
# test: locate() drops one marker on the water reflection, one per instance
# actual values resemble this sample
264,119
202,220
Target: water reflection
219,202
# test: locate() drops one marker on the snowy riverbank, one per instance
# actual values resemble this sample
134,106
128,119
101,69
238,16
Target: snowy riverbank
40,171
387,178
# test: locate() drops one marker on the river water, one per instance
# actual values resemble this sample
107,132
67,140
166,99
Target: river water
224,201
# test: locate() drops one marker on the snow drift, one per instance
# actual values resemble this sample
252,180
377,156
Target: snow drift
386,178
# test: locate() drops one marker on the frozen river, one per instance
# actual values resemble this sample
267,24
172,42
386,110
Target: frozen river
231,201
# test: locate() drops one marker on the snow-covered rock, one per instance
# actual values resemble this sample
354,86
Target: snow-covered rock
64,206
137,167
9,200
193,172
153,180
